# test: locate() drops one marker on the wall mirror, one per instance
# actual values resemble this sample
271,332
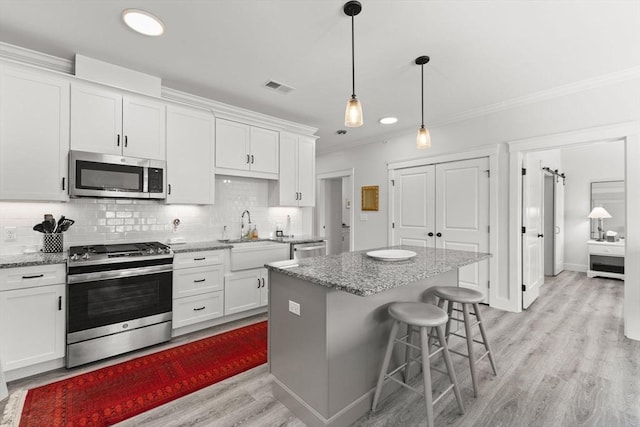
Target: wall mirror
370,198
609,195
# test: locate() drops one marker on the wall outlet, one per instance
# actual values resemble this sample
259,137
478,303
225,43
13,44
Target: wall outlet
10,234
364,217
294,307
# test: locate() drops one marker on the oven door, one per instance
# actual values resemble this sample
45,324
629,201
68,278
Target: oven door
102,307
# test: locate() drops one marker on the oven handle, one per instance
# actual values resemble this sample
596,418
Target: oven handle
116,274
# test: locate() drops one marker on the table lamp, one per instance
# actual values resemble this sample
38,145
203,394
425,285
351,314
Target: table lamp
599,213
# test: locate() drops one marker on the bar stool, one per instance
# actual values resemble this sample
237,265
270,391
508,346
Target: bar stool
465,297
422,316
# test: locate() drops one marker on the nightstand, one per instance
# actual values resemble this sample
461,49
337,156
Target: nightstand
606,259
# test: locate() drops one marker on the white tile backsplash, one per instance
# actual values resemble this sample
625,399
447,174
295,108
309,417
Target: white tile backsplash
127,220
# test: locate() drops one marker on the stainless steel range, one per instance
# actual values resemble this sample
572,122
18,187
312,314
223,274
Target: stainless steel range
119,299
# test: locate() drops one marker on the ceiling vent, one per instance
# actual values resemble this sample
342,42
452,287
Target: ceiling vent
279,87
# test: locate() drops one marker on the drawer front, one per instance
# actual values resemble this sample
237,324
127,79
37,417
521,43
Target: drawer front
606,250
197,259
195,309
29,277
198,280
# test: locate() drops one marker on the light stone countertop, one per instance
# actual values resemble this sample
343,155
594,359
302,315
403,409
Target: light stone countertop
359,274
31,259
211,245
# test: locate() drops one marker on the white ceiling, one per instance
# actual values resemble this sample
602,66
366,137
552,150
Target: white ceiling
482,52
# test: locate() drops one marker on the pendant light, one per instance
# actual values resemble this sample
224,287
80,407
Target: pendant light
353,114
424,139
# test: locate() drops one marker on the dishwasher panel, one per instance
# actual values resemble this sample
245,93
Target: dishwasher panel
308,250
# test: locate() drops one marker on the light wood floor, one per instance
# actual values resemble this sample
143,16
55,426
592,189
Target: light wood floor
563,362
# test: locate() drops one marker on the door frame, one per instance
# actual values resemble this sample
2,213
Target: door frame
629,132
495,300
320,193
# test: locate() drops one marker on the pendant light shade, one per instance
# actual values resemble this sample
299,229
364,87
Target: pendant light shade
424,139
353,114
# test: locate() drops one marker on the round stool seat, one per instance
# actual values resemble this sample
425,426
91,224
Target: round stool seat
418,314
457,294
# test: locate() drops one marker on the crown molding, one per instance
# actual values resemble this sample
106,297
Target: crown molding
230,112
37,59
544,95
52,63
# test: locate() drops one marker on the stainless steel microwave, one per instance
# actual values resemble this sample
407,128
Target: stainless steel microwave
106,175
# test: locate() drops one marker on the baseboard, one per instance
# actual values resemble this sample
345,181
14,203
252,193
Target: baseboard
581,268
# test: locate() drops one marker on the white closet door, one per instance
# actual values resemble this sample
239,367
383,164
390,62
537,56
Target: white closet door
532,243
462,215
559,228
413,206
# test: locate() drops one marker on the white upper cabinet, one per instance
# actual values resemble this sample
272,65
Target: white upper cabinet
190,156
296,184
34,135
245,150
106,121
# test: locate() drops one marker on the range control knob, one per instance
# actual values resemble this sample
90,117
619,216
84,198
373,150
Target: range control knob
75,257
86,256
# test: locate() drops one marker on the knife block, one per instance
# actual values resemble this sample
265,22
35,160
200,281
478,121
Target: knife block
52,242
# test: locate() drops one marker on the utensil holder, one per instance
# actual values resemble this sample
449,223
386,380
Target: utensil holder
52,242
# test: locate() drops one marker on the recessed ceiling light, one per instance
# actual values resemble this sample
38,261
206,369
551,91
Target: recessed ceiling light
143,22
388,120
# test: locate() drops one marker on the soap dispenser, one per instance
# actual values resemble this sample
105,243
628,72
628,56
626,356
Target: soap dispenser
255,232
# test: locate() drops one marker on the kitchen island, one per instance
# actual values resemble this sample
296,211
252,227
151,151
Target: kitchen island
328,325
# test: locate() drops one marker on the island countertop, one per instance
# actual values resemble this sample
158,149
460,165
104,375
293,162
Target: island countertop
359,274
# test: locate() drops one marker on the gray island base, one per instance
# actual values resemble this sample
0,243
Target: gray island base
325,360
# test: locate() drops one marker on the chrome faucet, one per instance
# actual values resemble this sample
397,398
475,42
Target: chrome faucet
242,233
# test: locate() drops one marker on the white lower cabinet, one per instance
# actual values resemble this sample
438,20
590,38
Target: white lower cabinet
32,315
245,290
198,287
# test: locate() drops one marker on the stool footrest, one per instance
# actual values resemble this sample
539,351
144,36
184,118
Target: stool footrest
441,395
458,353
404,385
486,353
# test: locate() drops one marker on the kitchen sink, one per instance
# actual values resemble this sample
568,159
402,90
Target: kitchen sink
255,254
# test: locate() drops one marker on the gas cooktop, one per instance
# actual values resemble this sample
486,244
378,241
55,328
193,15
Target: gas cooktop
122,251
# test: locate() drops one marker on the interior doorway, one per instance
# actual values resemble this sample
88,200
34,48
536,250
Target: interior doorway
334,217
556,202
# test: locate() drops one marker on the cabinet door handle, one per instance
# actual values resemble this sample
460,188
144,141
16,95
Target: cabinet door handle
300,196
200,259
430,234
200,308
258,283
438,234
263,282
59,303
118,141
63,182
199,280
169,187
252,159
126,142
248,158
540,235
35,276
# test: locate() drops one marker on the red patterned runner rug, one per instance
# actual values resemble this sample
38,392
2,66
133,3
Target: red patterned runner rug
112,394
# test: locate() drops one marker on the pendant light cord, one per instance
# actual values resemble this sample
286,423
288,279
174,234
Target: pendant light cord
353,59
422,87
